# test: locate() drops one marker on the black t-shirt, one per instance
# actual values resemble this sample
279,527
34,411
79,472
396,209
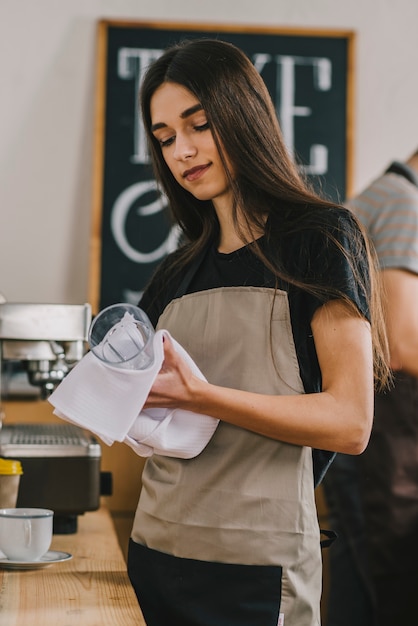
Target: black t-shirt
309,255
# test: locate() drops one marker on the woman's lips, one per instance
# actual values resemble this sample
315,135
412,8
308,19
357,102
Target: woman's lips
195,172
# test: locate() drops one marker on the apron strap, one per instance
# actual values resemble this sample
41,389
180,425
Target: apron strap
188,277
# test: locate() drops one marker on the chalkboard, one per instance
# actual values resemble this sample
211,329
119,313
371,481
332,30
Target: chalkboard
309,75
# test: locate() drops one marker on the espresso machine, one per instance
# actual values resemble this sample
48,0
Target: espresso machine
61,462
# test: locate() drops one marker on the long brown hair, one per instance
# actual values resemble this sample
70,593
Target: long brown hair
267,186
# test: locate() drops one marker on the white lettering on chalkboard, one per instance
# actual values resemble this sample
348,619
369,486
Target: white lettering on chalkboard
124,203
132,64
286,108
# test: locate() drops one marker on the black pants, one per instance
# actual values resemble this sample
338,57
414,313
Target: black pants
186,592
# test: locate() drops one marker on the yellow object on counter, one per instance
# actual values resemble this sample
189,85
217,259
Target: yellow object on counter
10,472
10,467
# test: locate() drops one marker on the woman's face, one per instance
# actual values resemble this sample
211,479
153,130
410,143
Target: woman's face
179,123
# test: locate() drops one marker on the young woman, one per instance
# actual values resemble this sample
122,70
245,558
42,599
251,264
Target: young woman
271,295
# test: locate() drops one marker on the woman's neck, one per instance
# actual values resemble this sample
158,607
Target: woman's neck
233,236
230,243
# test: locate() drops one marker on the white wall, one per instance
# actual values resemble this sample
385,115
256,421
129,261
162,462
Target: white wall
47,76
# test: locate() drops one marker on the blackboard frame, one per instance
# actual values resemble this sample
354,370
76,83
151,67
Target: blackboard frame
110,267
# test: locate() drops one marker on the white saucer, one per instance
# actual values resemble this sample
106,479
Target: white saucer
49,558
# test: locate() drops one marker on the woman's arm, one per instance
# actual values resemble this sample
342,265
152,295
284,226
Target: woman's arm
339,418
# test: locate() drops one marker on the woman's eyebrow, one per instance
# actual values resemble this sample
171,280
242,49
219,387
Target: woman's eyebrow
184,115
191,110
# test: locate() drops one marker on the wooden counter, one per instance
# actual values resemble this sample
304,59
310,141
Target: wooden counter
91,589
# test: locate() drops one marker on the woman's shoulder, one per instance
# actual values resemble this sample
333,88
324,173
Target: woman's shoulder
318,242
317,226
333,219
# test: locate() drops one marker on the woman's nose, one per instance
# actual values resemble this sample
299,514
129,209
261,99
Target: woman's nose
184,148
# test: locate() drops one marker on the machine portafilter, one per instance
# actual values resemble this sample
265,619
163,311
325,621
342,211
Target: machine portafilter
47,338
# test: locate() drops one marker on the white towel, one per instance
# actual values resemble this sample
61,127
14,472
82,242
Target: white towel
108,401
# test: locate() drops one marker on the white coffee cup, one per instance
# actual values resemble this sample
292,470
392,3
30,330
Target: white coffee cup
25,533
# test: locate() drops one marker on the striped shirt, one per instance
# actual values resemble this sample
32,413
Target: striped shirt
388,209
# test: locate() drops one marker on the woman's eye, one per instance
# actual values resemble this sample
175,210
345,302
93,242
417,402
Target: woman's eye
201,127
166,142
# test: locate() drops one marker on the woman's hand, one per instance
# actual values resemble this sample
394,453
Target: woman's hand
173,386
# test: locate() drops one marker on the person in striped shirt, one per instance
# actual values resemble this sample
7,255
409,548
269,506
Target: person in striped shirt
373,499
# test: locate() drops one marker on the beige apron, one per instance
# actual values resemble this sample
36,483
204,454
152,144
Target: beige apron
246,498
